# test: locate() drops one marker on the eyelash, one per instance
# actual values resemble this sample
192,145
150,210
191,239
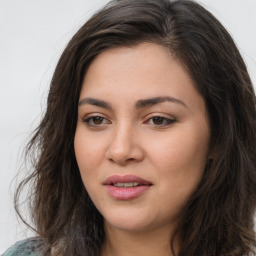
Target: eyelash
167,121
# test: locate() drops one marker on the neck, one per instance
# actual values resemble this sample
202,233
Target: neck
137,243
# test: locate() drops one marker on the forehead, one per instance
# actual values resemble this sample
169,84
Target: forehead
142,71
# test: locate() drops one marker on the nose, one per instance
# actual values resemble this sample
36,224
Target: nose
124,146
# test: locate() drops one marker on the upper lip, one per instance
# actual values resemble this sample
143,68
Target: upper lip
125,179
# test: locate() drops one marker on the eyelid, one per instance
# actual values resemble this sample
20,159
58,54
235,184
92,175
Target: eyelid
158,114
89,114
94,114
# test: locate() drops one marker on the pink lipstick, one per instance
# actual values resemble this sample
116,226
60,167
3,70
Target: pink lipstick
126,187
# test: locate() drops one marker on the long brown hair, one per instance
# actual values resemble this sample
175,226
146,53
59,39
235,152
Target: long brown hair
218,220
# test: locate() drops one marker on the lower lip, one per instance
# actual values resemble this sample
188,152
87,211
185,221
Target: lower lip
120,193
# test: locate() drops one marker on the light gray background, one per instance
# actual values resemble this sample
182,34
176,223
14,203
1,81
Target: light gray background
33,34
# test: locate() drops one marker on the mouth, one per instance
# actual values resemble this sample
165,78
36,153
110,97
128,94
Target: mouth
126,187
126,184
126,181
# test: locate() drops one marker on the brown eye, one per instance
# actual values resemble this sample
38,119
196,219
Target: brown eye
157,120
160,121
95,121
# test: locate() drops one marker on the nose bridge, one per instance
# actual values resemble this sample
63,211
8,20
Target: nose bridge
123,145
122,138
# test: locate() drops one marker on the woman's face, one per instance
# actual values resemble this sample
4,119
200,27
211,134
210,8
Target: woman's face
142,137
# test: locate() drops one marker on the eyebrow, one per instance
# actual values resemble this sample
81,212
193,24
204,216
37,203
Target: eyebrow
95,102
139,104
156,100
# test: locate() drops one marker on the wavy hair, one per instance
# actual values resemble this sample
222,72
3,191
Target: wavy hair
218,219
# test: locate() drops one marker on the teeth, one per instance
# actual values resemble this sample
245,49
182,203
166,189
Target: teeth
126,184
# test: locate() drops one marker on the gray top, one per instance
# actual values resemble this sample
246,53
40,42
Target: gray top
27,247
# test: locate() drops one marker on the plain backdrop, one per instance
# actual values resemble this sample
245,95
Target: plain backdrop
33,33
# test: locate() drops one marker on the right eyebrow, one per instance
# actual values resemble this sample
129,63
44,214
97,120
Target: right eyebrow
95,102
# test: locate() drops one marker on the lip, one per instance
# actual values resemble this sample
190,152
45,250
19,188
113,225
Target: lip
126,178
122,193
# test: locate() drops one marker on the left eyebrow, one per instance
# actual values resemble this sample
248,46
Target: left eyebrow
156,100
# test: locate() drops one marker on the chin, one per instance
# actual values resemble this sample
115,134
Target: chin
132,221
128,221
126,226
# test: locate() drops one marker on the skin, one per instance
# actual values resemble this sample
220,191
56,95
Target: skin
127,140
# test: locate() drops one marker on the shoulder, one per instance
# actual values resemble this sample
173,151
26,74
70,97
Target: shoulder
28,247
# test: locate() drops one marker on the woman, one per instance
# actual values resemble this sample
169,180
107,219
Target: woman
147,144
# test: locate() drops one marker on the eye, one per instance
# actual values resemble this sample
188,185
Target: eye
96,121
160,121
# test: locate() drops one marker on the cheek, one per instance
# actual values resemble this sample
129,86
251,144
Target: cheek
180,162
89,152
181,157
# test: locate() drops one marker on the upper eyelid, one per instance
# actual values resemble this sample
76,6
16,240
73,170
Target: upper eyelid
93,114
165,118
163,115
